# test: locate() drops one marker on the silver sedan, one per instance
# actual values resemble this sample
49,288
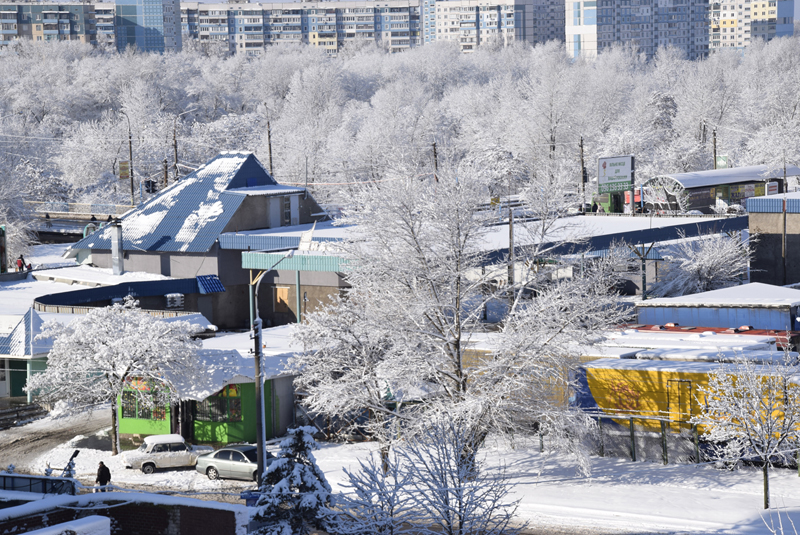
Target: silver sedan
233,462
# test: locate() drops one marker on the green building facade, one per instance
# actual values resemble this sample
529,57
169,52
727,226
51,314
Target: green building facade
226,417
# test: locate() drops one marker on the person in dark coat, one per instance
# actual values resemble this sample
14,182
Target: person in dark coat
103,476
21,263
594,207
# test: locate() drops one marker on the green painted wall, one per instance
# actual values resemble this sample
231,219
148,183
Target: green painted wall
244,431
212,432
136,426
18,374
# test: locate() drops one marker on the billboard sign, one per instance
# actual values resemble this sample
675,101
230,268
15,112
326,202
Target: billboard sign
614,174
124,170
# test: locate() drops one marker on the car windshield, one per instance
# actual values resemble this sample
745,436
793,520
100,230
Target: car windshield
251,455
143,447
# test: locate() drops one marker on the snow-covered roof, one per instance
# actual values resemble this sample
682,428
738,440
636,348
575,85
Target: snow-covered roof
598,351
189,215
712,355
653,365
21,342
715,177
700,338
162,439
752,295
267,191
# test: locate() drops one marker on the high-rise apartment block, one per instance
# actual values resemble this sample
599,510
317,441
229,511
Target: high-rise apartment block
474,22
249,28
595,25
149,25
735,23
47,22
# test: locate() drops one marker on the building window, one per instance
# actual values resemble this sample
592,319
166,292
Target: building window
134,407
224,406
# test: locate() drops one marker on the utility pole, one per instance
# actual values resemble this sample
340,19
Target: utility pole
166,175
583,180
175,142
714,138
175,147
510,253
130,155
269,145
435,164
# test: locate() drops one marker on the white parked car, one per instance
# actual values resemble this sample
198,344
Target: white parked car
163,451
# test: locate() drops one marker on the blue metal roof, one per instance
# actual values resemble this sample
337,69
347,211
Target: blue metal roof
21,342
209,284
189,215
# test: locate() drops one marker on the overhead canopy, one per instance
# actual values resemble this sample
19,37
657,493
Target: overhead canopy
736,175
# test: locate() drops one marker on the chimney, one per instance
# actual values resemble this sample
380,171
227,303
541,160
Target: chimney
116,247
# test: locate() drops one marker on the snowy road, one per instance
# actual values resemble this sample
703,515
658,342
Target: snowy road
619,497
23,445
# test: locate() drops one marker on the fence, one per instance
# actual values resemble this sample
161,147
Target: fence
77,208
38,484
642,445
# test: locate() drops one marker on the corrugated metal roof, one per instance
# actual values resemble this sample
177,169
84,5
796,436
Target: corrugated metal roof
261,242
717,177
21,342
764,205
189,215
299,262
209,284
652,254
268,191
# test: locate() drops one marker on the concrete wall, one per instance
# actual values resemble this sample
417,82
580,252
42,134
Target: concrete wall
768,263
177,265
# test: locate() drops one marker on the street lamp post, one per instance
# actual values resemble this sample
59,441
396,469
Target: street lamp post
261,436
130,155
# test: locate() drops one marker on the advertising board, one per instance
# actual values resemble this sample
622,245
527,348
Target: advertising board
614,174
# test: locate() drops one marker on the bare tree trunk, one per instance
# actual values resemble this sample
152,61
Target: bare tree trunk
114,430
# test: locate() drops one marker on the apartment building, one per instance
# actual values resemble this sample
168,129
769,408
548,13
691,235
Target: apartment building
472,23
47,22
249,28
594,25
736,23
149,25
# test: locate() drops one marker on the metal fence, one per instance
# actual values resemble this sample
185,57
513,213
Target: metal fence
677,442
77,208
38,484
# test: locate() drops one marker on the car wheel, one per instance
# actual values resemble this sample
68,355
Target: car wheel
148,468
212,473
255,475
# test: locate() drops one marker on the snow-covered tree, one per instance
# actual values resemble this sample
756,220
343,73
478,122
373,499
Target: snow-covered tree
708,262
399,346
752,411
294,491
376,500
114,349
451,487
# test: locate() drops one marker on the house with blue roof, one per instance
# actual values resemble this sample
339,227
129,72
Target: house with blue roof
21,354
177,232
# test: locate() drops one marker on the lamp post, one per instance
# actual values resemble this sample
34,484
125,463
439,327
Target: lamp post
261,436
130,155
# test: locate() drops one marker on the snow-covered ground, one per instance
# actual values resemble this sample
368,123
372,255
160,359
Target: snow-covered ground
619,497
49,256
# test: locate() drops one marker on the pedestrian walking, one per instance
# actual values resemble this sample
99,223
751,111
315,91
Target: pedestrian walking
103,476
47,222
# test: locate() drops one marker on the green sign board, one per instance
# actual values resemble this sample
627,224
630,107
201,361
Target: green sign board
614,174
722,162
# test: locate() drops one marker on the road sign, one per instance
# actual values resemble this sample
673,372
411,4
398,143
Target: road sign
614,174
124,170
722,162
